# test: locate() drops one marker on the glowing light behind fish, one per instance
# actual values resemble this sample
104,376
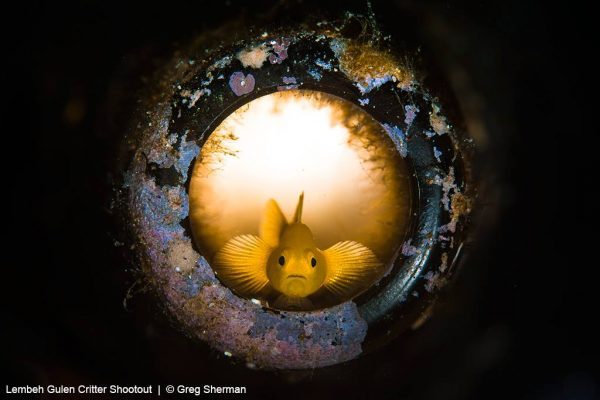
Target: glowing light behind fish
287,142
280,149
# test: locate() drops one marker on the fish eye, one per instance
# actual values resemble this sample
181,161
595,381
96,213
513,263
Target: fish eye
281,260
313,262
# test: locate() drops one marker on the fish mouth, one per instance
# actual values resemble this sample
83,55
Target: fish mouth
296,276
295,286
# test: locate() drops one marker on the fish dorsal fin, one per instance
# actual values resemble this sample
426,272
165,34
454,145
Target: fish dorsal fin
298,213
242,264
350,268
272,224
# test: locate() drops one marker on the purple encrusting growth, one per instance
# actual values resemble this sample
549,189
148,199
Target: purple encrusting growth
342,328
280,47
205,272
286,340
448,185
398,138
410,114
408,249
241,84
193,285
432,281
161,210
449,227
198,278
290,83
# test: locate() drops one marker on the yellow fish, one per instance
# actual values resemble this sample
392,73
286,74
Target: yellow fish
285,257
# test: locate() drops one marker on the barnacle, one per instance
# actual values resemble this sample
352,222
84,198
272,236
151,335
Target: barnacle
208,153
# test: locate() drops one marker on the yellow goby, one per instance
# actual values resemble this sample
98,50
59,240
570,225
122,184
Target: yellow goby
285,256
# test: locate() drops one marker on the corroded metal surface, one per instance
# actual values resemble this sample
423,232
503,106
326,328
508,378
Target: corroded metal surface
194,94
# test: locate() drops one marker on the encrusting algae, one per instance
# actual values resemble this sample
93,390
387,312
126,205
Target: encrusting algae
370,67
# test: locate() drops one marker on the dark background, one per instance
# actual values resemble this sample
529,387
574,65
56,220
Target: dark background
519,322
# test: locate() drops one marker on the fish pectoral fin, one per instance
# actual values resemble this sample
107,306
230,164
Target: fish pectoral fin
272,224
242,264
350,268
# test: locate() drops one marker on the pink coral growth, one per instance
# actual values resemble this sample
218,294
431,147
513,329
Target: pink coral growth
280,47
241,84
